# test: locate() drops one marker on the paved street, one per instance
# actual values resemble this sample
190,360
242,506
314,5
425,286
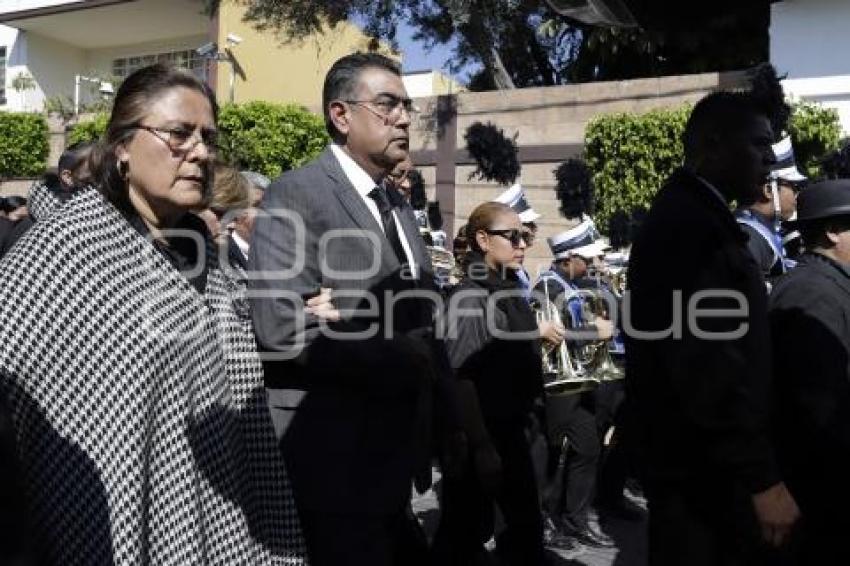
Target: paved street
630,536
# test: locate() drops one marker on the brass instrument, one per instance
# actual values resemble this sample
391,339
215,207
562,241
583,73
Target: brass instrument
596,354
619,280
562,372
442,260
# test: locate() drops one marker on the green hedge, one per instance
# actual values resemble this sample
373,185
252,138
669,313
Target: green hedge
815,131
23,144
630,155
270,138
90,130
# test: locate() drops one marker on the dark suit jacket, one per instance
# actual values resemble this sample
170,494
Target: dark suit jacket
702,406
352,414
810,321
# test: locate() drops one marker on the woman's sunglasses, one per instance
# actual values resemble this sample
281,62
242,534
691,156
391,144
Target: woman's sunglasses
515,237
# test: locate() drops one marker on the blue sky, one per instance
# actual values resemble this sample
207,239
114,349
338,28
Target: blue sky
417,58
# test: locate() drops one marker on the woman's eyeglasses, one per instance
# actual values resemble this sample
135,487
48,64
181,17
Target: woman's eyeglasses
515,237
182,140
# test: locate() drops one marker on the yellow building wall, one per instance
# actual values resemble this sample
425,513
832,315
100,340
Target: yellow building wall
276,72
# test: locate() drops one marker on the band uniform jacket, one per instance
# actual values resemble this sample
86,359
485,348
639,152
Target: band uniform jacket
352,413
810,321
702,405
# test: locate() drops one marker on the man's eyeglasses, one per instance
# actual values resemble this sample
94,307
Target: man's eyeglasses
515,237
183,140
387,106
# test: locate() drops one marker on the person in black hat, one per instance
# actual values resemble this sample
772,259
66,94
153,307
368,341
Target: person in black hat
810,322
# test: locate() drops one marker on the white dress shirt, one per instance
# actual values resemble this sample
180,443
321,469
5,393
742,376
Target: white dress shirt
243,246
364,184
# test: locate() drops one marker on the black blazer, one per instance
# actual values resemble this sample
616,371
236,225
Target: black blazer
353,415
701,406
810,321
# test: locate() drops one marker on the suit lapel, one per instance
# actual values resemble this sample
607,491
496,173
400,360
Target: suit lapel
354,206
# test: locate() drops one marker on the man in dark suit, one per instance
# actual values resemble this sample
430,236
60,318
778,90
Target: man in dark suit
350,399
700,383
810,322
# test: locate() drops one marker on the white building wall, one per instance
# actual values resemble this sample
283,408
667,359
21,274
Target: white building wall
17,5
809,41
100,60
53,65
419,84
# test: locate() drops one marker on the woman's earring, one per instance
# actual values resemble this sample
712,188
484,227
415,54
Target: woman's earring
123,169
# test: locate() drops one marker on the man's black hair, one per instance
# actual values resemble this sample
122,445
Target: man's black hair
718,113
341,80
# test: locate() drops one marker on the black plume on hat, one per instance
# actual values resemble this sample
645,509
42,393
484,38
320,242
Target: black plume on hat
495,153
574,188
623,227
769,97
836,164
418,197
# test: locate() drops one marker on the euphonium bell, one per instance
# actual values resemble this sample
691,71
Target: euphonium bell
562,374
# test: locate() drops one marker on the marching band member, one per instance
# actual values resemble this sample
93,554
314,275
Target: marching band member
761,213
809,316
566,418
515,198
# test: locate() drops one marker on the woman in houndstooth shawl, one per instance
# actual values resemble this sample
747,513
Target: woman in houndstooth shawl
135,388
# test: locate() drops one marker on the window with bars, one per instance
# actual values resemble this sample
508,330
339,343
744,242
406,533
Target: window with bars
186,59
2,75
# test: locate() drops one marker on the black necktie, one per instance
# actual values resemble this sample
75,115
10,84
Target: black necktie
379,195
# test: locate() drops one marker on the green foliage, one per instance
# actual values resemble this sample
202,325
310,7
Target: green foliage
270,138
90,130
630,156
23,144
61,106
815,131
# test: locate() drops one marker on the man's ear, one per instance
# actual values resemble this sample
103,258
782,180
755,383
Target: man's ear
340,116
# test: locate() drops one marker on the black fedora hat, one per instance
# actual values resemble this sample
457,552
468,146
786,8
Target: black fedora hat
824,200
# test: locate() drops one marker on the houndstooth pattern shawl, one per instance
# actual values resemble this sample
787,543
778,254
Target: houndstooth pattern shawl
42,201
140,416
